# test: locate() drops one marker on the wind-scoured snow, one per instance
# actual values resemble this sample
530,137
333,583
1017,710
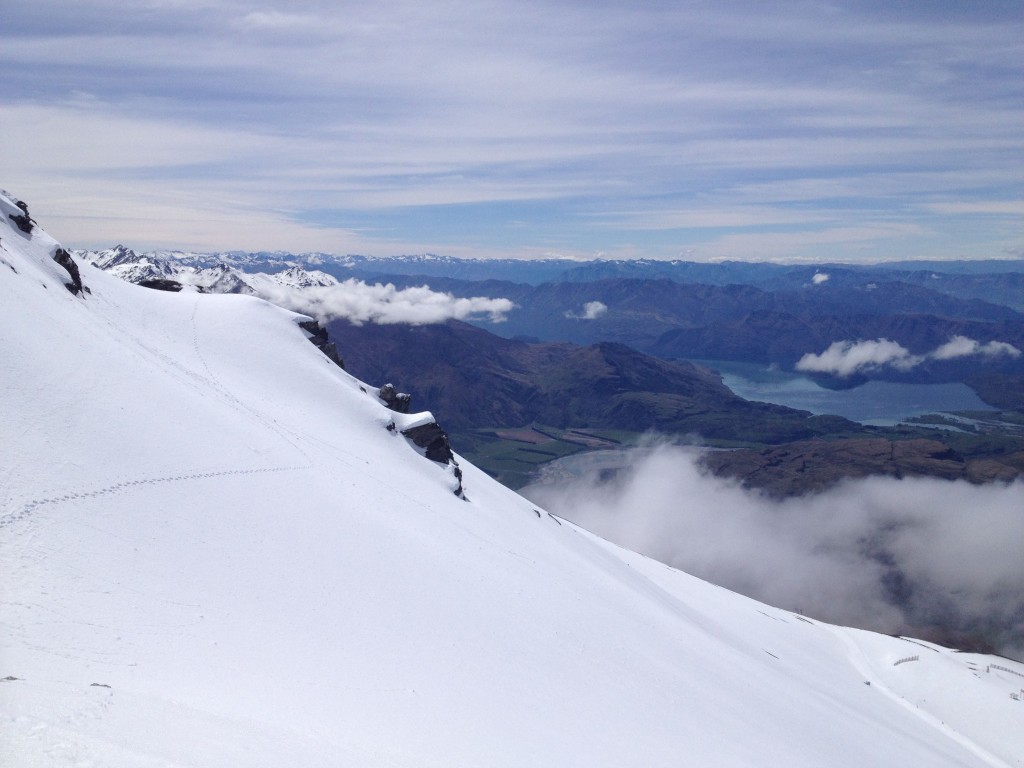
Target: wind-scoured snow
213,552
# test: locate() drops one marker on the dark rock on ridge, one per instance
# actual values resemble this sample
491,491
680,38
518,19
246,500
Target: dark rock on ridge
26,224
320,339
435,441
23,221
398,402
63,258
161,284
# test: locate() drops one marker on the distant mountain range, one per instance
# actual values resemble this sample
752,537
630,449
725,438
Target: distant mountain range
780,316
1000,281
746,323
608,356
473,378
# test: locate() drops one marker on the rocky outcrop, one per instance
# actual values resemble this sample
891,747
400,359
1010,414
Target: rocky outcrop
320,339
434,441
63,258
22,220
162,284
398,402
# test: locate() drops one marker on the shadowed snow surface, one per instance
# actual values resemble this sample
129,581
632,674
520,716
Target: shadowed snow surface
214,553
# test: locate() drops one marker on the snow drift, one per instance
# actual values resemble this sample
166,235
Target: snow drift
214,552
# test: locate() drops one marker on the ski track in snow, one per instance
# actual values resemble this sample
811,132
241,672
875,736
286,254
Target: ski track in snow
862,663
232,399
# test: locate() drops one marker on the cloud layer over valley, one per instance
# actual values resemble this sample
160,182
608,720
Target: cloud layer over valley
846,358
360,302
923,557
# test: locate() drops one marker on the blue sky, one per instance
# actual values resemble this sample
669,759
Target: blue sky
852,131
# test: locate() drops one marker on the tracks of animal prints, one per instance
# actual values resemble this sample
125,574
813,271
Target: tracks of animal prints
31,507
206,380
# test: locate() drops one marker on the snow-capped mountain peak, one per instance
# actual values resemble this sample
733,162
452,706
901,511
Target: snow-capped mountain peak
130,266
297,277
112,257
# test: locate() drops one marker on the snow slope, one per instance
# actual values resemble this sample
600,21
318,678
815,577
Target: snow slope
214,553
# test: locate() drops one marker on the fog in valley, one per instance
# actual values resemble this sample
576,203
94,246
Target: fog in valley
922,557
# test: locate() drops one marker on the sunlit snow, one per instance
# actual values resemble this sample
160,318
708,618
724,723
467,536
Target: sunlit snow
214,553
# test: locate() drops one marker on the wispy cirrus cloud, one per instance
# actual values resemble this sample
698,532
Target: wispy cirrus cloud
678,127
994,207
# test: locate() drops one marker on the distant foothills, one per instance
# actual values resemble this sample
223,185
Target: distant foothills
541,359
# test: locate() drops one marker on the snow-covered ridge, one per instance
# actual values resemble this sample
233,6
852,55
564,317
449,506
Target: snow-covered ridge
278,261
214,552
309,291
205,272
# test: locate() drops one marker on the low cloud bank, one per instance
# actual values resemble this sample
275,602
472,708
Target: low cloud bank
961,346
360,302
845,358
915,556
591,311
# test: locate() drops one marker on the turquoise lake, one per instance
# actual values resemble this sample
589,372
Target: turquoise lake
877,402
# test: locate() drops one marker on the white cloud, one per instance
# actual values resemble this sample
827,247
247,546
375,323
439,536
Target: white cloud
820,277
591,311
845,358
360,302
278,20
990,207
961,346
953,548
